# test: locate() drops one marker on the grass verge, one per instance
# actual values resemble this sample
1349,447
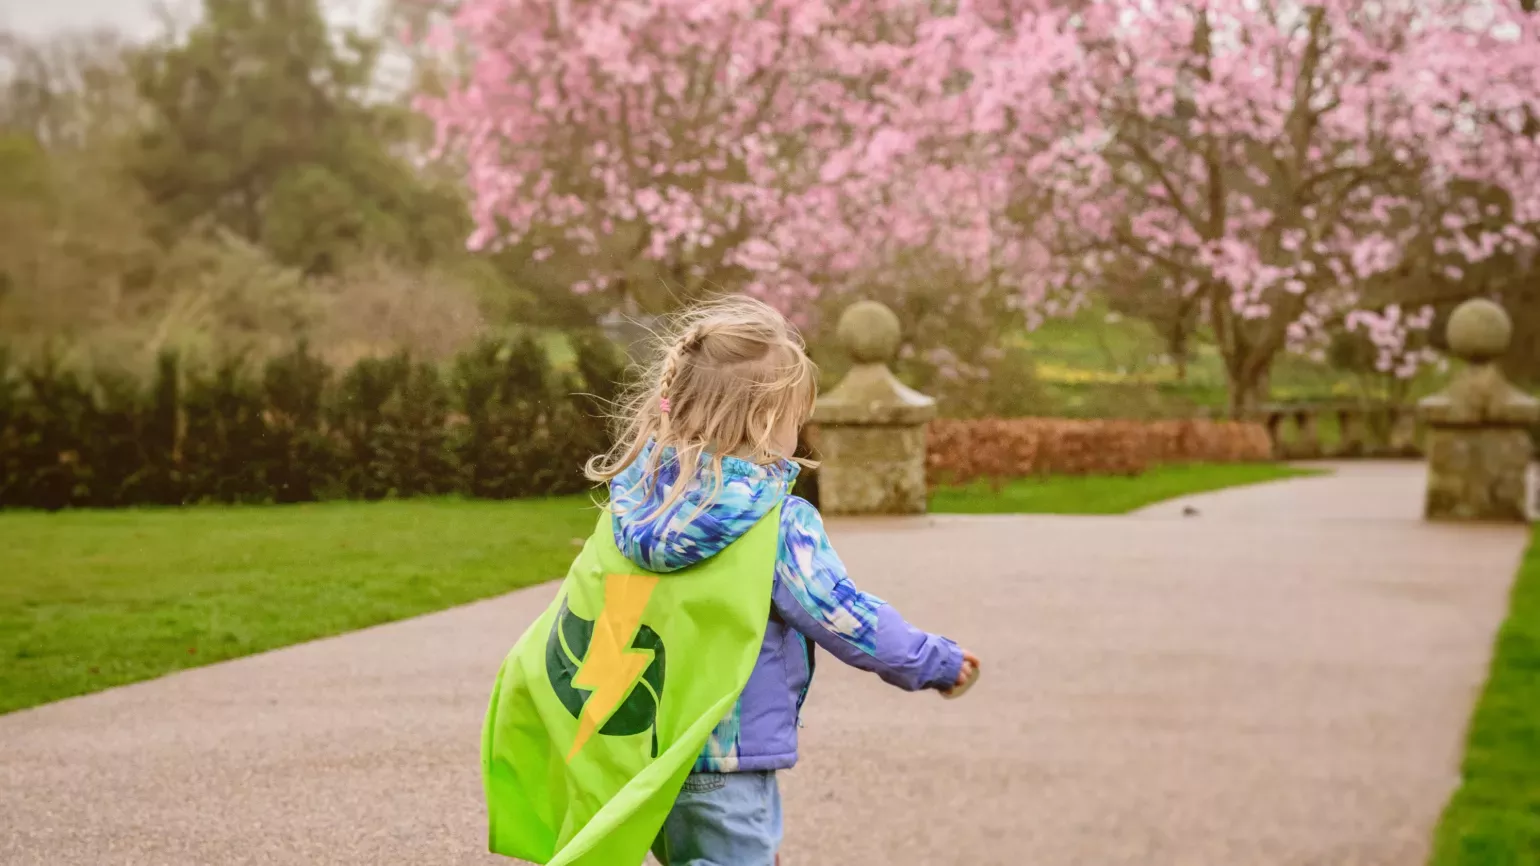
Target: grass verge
92,599
1494,817
1104,494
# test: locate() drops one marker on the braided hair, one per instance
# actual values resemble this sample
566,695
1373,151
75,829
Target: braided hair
668,369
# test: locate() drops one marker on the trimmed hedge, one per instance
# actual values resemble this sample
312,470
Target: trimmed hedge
959,451
498,422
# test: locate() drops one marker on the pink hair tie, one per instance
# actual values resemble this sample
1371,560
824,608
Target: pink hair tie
663,405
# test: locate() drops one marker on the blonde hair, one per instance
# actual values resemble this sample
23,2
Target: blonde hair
729,373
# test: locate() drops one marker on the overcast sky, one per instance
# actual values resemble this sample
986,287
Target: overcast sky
134,17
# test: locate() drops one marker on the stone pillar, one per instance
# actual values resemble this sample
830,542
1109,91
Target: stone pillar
871,429
1403,433
1478,442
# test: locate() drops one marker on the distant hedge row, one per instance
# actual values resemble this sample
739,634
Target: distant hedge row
994,448
499,422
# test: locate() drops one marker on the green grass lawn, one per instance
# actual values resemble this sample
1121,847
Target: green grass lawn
1494,818
91,599
1104,494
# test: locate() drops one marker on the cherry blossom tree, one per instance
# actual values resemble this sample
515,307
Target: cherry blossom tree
637,136
789,148
1273,165
662,141
1272,162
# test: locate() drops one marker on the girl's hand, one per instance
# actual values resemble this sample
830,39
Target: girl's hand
965,675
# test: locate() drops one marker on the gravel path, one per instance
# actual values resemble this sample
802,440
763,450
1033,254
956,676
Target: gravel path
1282,678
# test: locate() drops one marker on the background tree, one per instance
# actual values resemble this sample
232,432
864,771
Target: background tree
68,92
800,151
1273,162
351,240
648,143
266,121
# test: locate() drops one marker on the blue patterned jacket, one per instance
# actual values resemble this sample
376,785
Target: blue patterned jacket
813,604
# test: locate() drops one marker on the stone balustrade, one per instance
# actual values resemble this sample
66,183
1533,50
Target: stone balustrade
1306,431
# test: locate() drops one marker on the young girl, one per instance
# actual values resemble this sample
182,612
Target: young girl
728,398
705,457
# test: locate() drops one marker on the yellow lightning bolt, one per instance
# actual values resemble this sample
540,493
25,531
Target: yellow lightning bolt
611,667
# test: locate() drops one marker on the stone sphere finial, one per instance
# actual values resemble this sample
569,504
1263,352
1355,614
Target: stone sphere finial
1479,330
870,332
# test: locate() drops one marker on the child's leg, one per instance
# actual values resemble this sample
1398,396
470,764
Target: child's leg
723,819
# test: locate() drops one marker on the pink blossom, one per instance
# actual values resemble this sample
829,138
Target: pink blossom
795,148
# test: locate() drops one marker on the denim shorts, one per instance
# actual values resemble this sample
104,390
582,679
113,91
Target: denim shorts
723,819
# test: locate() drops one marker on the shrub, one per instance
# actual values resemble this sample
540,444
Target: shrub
503,389
113,452
591,389
159,481
361,420
959,451
503,424
223,446
413,444
393,417
46,439
300,456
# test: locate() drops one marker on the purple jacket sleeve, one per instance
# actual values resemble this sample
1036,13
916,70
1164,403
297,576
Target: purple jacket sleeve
816,597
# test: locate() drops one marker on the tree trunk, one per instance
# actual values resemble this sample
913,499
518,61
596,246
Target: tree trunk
1176,347
1241,403
1244,394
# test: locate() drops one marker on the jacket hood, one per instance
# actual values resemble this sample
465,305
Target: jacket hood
662,540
